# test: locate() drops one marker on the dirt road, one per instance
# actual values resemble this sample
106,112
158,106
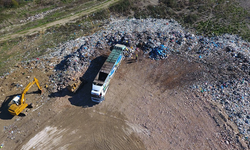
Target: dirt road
149,105
59,22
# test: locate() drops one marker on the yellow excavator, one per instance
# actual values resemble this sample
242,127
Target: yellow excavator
19,104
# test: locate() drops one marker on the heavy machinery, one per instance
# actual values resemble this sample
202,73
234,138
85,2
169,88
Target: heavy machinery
18,102
75,85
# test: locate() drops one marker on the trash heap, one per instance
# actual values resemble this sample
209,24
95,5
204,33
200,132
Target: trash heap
234,97
75,55
75,58
159,38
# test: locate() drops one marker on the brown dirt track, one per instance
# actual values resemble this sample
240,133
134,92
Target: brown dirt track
149,105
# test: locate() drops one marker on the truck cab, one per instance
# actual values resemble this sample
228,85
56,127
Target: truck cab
98,92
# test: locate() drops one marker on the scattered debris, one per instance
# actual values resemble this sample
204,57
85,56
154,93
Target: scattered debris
227,59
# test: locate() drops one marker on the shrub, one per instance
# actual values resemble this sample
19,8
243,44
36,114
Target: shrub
169,3
8,3
123,7
14,3
190,18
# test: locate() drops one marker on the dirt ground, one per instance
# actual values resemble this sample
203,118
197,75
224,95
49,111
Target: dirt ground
149,105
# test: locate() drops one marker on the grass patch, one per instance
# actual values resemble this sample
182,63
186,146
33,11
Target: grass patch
123,7
207,17
36,45
69,7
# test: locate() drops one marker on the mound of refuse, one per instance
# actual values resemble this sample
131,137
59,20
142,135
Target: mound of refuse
226,57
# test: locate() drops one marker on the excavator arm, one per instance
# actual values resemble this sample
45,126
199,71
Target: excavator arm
16,109
22,100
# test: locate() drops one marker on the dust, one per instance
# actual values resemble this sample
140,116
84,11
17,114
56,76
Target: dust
48,138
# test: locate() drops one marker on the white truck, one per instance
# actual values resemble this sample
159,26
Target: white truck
101,82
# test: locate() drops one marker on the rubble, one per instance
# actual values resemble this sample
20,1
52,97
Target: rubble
159,38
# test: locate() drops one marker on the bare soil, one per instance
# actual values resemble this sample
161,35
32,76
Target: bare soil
149,105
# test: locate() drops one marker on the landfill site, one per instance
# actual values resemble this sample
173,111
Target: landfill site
173,90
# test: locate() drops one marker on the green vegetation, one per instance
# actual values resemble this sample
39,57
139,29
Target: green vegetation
207,17
21,49
123,7
63,8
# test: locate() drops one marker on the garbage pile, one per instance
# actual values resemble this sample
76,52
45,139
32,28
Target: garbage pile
159,52
234,97
158,39
75,58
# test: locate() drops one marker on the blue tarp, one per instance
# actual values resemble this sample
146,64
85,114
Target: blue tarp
158,52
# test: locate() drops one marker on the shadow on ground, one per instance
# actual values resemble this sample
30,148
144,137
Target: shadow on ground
4,113
82,97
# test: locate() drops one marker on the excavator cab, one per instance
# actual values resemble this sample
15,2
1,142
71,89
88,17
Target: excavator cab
16,99
19,103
